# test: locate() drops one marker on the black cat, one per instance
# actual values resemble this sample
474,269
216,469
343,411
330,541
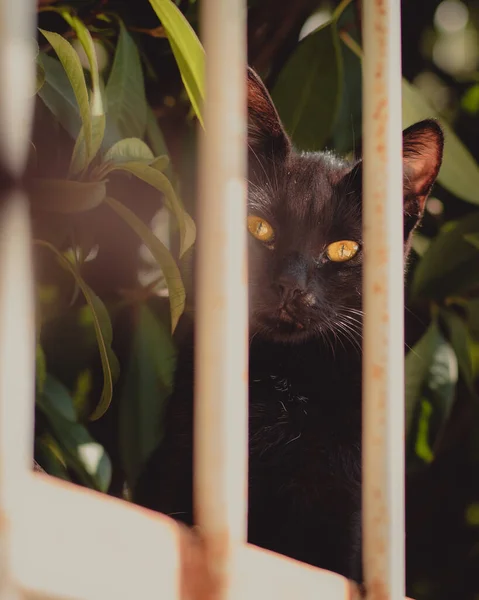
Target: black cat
305,261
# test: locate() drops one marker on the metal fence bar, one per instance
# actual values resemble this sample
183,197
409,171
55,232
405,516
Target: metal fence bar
77,544
221,408
383,371
17,326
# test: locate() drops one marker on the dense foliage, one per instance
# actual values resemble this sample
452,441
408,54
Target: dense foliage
112,168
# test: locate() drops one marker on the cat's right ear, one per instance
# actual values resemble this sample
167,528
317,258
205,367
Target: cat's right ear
266,135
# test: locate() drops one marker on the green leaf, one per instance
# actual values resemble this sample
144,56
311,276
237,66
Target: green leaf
86,41
153,133
125,89
472,238
348,126
461,342
66,197
470,100
40,77
162,256
50,456
307,93
103,332
85,456
80,160
431,365
40,368
148,382
459,172
449,265
187,49
57,95
129,149
71,63
159,181
423,448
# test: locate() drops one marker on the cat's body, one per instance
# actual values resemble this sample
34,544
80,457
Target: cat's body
305,258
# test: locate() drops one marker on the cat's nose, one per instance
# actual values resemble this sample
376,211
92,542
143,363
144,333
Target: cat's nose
292,280
290,286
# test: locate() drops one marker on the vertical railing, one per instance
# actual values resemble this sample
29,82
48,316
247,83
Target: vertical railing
221,409
383,372
17,328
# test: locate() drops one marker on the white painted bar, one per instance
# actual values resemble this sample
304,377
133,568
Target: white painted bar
383,380
221,386
76,544
17,80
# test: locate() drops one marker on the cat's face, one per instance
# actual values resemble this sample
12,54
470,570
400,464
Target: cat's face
305,225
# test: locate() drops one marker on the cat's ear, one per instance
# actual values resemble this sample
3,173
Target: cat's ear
266,135
423,145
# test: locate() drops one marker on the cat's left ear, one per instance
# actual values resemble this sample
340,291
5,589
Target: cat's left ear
423,145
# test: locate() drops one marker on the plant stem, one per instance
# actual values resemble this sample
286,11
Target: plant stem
340,8
351,43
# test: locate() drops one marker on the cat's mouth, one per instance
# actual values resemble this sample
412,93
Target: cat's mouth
286,317
284,325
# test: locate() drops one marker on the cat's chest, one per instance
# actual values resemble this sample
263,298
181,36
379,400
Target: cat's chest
301,407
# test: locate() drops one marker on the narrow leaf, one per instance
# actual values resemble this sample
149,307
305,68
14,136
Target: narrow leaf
161,254
187,49
148,382
159,181
85,456
125,89
71,63
58,96
103,332
449,265
472,238
459,172
307,93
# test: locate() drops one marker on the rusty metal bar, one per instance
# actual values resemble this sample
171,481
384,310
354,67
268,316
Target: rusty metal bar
221,403
383,371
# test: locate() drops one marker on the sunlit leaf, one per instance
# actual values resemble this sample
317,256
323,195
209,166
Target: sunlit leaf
423,448
307,93
103,332
129,149
125,89
159,181
459,172
148,382
71,63
66,197
162,256
187,49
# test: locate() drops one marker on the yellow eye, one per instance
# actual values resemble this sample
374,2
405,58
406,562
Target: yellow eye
260,229
342,251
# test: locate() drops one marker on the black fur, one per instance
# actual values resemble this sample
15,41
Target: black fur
305,350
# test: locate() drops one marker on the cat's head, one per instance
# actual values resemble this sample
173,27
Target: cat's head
305,225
